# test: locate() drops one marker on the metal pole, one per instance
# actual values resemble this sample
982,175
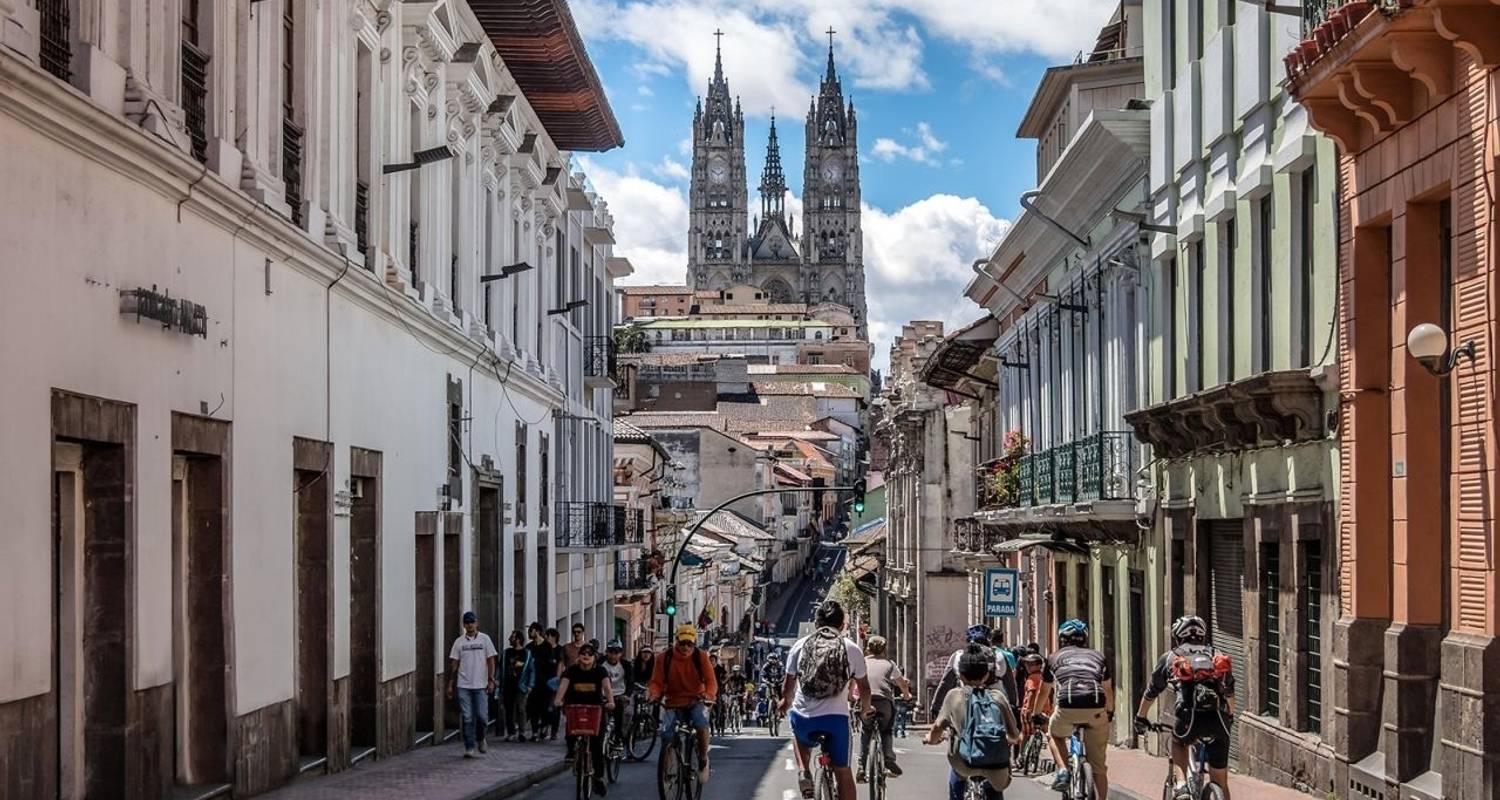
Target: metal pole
692,529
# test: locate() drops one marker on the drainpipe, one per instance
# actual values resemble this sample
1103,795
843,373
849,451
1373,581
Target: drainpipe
1026,203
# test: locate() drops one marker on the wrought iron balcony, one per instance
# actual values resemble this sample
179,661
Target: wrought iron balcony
633,576
291,166
362,216
195,98
589,525
56,50
599,362
1099,466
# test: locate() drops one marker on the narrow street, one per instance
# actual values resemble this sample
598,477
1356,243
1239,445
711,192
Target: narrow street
754,766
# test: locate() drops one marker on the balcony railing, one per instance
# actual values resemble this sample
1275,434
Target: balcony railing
1315,12
195,98
599,361
588,525
56,51
1099,466
362,216
632,575
291,166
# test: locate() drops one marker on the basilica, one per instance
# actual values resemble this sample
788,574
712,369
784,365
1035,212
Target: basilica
821,263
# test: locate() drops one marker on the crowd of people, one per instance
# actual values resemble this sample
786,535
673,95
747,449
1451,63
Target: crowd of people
990,697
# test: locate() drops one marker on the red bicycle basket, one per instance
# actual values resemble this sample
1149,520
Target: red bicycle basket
583,720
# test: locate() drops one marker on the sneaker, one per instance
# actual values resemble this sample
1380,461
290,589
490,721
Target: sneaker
1181,790
1060,780
891,767
805,785
468,752
600,788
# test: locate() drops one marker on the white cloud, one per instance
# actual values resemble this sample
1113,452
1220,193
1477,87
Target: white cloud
670,169
644,91
925,150
651,222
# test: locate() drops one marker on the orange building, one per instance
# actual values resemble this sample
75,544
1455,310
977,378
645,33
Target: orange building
1408,89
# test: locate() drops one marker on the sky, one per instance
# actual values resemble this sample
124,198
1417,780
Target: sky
939,87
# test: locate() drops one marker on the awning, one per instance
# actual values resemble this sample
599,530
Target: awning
1047,542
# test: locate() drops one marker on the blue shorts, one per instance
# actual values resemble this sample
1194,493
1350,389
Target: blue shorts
833,726
669,717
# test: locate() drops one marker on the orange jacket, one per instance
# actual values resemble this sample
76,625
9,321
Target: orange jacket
683,687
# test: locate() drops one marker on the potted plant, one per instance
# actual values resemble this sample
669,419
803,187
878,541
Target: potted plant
1293,63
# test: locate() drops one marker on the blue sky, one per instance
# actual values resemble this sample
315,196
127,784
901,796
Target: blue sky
939,87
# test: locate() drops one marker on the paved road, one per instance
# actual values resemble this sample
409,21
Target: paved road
756,767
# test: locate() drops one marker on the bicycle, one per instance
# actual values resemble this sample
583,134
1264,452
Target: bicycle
825,783
677,768
773,719
643,728
874,760
735,714
584,723
1080,774
1029,760
976,788
614,749
1196,785
716,720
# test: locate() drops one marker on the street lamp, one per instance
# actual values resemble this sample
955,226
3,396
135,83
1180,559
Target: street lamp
1428,344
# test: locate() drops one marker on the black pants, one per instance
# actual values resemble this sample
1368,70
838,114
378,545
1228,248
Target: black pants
539,709
510,711
885,718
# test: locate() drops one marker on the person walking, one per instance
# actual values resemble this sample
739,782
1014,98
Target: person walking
471,663
887,682
543,660
515,682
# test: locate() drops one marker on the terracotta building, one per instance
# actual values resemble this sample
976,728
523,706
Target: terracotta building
1408,90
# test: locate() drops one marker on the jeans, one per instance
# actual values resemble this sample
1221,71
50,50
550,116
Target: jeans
885,716
957,786
474,710
694,714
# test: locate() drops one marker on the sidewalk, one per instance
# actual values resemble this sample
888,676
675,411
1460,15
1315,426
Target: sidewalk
1137,775
435,773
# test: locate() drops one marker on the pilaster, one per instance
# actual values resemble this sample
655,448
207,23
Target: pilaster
258,104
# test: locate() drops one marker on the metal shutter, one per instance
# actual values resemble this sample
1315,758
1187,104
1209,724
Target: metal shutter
1226,574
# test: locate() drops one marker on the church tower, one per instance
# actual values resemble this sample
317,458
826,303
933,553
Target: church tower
832,239
717,197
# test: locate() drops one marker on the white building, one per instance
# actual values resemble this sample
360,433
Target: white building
275,411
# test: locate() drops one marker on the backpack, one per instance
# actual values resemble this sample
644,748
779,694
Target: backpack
982,743
1199,672
666,668
823,669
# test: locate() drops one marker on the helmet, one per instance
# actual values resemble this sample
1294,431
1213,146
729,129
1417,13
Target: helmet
687,633
978,633
1190,628
735,668
615,646
1072,630
775,656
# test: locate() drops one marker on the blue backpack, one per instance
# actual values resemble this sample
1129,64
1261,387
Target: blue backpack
982,743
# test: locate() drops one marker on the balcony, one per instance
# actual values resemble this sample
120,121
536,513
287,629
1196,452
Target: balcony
587,525
633,577
1099,466
599,362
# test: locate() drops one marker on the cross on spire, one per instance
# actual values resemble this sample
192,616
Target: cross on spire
832,76
830,33
718,38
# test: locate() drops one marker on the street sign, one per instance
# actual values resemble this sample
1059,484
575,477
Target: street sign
1000,591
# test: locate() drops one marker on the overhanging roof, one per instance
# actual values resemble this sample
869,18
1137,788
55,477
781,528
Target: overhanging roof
960,351
542,48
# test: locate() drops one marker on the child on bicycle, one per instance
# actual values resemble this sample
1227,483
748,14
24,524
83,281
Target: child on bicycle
974,665
586,683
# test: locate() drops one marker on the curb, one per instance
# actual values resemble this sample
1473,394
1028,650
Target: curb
520,783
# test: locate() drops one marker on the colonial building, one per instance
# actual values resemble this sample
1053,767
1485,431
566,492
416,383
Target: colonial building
725,248
1413,680
329,281
1241,291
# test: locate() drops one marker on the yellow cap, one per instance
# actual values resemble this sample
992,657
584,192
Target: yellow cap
687,633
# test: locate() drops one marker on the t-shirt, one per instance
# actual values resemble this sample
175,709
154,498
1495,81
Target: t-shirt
838,704
515,662
883,674
955,713
616,677
585,686
1079,673
1002,666
473,655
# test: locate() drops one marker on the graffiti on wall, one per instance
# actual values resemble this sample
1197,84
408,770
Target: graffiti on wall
937,645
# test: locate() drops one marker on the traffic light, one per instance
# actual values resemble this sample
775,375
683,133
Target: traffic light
859,496
669,601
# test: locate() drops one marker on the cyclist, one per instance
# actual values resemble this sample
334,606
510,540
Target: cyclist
1000,676
683,679
1084,694
1035,708
1205,702
818,670
886,683
621,681
734,691
587,683
974,671
721,675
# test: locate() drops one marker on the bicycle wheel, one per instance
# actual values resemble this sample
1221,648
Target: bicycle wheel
688,787
581,768
875,767
775,723
823,786
641,738
614,757
1212,791
667,773
1083,783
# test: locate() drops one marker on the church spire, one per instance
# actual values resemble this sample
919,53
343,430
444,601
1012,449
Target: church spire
718,58
832,76
719,107
772,179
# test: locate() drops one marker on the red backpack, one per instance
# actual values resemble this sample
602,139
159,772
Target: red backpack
1199,672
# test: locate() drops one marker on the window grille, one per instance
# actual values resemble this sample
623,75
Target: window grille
1270,603
291,166
362,215
56,47
1312,627
195,97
